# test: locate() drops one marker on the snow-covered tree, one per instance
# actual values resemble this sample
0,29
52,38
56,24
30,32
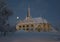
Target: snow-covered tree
4,15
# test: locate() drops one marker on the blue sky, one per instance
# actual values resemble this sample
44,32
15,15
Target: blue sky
48,9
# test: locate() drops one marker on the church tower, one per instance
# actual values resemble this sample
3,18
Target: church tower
28,13
34,24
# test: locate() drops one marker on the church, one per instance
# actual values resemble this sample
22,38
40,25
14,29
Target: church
34,24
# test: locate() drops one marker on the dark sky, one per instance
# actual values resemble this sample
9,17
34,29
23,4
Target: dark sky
48,9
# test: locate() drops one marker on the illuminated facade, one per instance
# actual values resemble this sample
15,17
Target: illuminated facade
33,24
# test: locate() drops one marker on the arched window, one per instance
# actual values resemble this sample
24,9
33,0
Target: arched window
27,26
19,26
23,26
32,25
27,29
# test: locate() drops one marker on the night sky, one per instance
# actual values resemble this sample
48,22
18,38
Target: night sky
48,9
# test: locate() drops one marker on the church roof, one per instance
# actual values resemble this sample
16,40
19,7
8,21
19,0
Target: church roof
40,20
29,19
34,20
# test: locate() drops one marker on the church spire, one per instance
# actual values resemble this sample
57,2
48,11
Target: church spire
28,17
28,11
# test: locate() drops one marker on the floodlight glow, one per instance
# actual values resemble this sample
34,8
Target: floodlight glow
17,17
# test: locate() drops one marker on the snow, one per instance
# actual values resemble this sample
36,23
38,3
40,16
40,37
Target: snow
40,20
21,36
35,20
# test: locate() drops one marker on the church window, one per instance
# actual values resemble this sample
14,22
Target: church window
19,26
31,25
27,25
23,25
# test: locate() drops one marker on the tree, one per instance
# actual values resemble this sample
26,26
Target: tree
4,15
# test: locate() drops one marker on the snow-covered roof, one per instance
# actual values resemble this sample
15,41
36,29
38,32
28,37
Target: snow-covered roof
34,20
40,20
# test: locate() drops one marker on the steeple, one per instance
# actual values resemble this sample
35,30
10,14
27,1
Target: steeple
28,17
28,11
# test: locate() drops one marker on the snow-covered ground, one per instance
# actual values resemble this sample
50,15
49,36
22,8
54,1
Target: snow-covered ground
21,36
